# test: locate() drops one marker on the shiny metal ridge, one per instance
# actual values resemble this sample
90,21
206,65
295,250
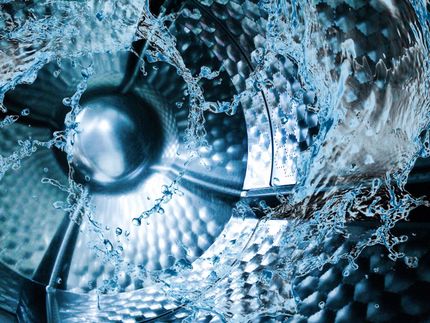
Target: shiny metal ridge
130,143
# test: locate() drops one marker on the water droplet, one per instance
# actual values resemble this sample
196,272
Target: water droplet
58,204
118,231
16,166
45,170
67,102
108,245
403,238
411,262
376,305
321,304
137,222
25,112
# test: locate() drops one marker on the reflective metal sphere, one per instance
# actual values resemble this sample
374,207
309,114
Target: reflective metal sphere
116,140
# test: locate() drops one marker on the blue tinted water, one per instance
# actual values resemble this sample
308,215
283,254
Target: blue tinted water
380,140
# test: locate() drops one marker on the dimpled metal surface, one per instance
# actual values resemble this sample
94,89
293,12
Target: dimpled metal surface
193,220
27,218
243,275
236,265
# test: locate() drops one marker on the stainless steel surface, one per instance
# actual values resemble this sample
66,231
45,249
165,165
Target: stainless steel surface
116,141
130,145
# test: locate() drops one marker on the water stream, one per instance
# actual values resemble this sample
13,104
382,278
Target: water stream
373,115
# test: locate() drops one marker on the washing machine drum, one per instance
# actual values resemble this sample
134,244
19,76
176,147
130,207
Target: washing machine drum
133,216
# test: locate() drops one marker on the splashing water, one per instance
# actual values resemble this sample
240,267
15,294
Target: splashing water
373,112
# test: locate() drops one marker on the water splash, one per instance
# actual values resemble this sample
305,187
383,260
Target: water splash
378,139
